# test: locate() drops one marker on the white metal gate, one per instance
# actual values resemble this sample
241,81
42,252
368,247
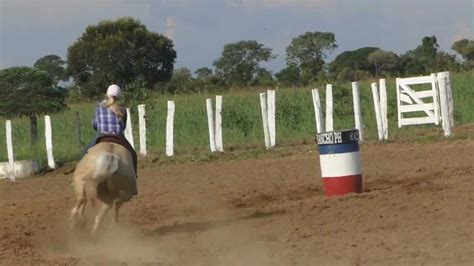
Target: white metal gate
435,104
410,101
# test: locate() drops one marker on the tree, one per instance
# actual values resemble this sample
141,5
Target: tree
119,51
54,66
203,73
350,61
465,48
264,77
308,52
409,64
383,60
239,62
445,61
206,80
421,59
181,82
426,52
135,93
351,74
29,92
289,76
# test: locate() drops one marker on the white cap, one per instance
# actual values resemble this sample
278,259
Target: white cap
114,90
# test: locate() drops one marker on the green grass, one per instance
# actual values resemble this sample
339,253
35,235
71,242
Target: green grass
241,115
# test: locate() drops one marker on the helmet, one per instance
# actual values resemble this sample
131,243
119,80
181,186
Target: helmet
114,91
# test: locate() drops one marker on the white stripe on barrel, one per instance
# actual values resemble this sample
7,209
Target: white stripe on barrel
332,166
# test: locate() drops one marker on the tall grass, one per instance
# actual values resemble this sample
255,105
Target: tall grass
241,115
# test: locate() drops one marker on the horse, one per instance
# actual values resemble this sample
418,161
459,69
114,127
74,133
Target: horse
106,174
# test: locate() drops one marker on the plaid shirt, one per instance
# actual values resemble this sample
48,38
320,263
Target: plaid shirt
106,122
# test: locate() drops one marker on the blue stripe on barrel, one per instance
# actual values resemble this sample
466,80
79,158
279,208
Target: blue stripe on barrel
339,148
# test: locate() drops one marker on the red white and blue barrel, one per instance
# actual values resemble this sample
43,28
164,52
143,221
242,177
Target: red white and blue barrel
339,157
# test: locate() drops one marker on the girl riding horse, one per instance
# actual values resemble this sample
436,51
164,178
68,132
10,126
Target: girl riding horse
110,120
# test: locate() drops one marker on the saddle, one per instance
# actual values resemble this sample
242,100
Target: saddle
113,139
120,140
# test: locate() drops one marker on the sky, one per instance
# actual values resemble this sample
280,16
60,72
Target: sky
30,29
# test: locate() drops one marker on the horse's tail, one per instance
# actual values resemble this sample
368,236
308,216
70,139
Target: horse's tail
106,165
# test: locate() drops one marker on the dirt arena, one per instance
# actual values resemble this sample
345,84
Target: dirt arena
418,209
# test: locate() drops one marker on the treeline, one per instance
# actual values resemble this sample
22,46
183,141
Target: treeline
239,64
125,52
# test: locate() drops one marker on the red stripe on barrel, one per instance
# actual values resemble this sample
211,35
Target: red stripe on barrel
336,186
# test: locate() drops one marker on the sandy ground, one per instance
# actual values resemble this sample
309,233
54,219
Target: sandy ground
417,208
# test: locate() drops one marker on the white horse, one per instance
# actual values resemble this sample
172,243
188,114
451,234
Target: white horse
106,174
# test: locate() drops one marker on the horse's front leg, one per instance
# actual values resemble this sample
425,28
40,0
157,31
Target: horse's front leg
100,215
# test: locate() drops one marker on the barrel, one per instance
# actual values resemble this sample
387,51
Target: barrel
339,157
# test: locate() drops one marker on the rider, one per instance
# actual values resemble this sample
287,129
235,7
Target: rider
110,120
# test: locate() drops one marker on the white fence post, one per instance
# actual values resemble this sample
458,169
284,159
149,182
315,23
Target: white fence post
210,123
48,132
170,129
263,106
449,95
128,129
218,128
11,158
434,88
357,111
444,103
450,98
383,107
329,108
378,116
142,126
271,117
318,114
399,114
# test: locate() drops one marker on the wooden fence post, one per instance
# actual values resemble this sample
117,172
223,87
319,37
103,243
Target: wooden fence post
383,107
444,104
142,128
210,124
378,116
449,93
48,132
329,108
318,114
170,129
11,157
128,129
357,110
218,128
271,117
263,107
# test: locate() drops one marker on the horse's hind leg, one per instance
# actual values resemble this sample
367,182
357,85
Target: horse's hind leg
79,204
98,218
77,209
82,210
117,206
